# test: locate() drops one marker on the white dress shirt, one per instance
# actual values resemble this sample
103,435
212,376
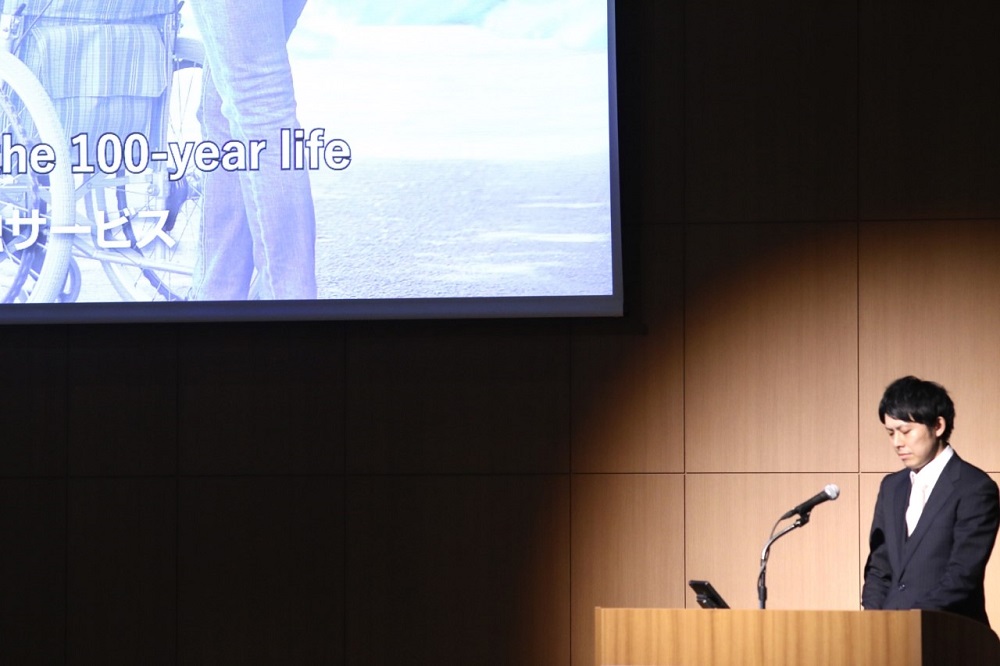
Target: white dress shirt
923,482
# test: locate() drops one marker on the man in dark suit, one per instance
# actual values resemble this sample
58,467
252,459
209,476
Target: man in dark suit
936,521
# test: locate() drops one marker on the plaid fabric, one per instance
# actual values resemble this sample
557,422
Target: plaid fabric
97,60
101,77
91,10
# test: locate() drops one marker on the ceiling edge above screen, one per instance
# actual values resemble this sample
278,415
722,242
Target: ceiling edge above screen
460,161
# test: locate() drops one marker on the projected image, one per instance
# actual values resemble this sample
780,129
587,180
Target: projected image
330,150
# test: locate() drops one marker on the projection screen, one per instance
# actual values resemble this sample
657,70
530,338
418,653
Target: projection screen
324,159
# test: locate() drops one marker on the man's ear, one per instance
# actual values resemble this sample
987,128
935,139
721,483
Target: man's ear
940,426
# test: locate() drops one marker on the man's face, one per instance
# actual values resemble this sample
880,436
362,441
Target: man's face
914,443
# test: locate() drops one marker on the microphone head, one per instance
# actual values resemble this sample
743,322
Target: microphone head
832,491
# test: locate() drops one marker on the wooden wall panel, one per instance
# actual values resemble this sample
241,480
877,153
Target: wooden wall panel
261,570
628,382
747,129
261,399
33,563
771,110
771,348
459,398
34,362
650,73
122,599
628,547
930,306
458,570
930,109
729,518
122,400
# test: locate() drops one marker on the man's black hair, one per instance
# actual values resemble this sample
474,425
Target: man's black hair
918,401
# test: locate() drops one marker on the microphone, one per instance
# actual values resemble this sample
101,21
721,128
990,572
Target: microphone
831,492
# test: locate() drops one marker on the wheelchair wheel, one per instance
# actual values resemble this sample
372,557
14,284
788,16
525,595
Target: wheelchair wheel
158,271
32,268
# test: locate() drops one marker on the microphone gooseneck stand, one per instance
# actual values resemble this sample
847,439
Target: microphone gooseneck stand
762,576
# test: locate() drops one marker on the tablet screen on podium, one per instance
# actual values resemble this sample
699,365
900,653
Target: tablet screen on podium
708,596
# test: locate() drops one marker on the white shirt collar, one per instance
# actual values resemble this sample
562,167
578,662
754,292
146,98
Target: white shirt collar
929,473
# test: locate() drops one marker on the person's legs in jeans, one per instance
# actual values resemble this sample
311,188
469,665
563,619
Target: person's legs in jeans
250,97
225,262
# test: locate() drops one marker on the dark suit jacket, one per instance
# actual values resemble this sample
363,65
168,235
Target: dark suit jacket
941,566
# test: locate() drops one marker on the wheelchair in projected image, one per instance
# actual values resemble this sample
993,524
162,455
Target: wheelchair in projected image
98,204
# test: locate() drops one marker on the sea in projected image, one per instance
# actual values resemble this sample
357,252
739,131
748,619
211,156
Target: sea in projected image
462,228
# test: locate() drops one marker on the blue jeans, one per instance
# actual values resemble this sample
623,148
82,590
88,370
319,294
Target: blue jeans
259,220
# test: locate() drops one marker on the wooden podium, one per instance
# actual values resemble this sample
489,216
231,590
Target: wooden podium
696,637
